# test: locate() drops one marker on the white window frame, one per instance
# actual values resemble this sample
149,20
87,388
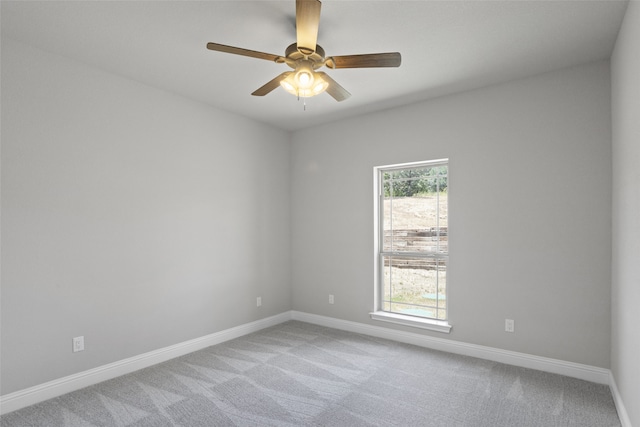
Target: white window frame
378,313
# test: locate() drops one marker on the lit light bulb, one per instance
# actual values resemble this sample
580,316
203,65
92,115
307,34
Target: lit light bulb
288,86
304,82
305,79
319,88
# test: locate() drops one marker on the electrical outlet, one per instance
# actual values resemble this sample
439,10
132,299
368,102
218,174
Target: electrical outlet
78,344
509,325
330,299
258,301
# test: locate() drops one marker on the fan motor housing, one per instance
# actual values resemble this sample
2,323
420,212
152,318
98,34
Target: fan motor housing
292,53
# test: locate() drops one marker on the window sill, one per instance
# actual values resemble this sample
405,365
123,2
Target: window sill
416,322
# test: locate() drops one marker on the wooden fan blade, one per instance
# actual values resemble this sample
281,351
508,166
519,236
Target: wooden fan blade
334,89
271,85
371,60
244,52
307,22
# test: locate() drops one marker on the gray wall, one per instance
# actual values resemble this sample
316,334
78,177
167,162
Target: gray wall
530,211
625,88
120,221
131,216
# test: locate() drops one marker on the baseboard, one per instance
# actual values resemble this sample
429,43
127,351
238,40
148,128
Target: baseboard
625,421
561,367
42,392
51,389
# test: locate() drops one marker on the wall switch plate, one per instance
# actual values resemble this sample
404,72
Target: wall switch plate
330,299
509,325
258,301
78,344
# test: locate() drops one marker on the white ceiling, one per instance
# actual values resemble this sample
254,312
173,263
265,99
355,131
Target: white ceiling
446,46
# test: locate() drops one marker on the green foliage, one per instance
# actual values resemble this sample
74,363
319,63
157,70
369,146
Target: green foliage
413,182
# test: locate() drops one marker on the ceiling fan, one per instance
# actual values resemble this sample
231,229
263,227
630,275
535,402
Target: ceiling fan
305,57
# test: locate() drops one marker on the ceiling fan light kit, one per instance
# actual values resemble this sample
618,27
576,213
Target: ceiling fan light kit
306,56
304,84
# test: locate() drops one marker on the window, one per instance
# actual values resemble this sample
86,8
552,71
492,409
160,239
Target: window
412,244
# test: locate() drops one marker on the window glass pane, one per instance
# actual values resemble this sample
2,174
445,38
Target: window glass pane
386,279
413,310
415,286
417,172
387,236
415,224
442,283
442,289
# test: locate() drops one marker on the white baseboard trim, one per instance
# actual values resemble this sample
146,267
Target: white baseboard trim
575,370
625,421
51,389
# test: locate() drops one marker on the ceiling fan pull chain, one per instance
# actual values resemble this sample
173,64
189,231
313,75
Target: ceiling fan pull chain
304,101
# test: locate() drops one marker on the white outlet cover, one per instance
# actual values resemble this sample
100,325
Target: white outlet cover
509,325
78,344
